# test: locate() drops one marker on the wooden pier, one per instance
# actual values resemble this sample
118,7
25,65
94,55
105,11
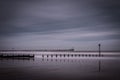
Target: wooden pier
71,55
16,55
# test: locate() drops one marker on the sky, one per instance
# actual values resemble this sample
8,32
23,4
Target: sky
60,24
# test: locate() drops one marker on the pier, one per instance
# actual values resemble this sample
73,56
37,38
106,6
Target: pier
70,55
16,55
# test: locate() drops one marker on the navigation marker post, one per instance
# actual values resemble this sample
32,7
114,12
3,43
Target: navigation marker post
99,45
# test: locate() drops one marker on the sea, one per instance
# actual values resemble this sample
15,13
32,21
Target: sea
61,68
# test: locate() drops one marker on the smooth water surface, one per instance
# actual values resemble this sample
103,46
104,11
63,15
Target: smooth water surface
61,68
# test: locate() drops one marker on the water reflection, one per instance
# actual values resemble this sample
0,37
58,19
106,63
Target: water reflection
59,68
99,63
70,61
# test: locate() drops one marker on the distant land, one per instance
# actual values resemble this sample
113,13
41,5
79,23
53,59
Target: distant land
57,50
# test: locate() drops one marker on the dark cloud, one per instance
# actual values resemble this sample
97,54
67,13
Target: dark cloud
81,19
111,10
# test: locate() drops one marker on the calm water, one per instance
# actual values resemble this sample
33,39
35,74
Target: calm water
65,68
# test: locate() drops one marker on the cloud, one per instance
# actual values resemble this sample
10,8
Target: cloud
61,39
65,22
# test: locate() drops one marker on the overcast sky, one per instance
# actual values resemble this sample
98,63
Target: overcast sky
52,24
